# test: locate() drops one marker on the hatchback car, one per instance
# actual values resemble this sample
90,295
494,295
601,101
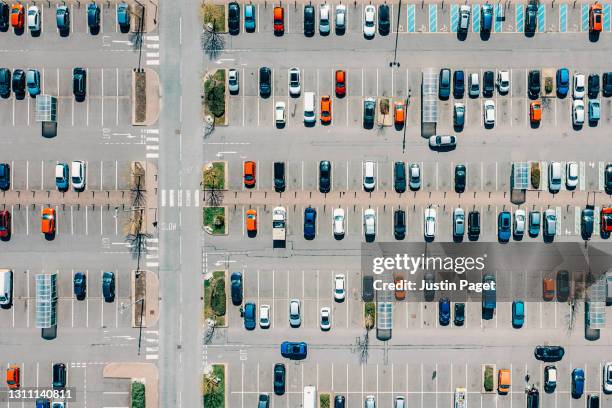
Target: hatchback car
279,378
5,224
608,178
458,84
78,172
459,115
4,16
19,83
326,110
550,378
548,289
294,82
309,20
370,402
606,87
473,225
123,17
430,224
80,285
249,18
369,106
535,112
534,84
464,18
607,378
265,82
579,86
236,288
474,85
587,220
5,81
519,223
577,382
399,114
295,315
59,376
294,350
592,401
62,18
249,174
325,172
233,81
384,19
34,19
310,222
93,16
325,318
399,176
5,176
264,316
108,286
233,18
531,18
47,223
503,81
571,175
369,223
250,318
458,223
279,20
550,223
338,223
17,16
594,110
340,83
489,112
13,377
340,18
444,311
79,84
518,314
414,176
563,80
251,221
459,318
33,82
324,17
486,12
369,21
503,226
399,224
595,18
488,84
460,176
534,223
444,83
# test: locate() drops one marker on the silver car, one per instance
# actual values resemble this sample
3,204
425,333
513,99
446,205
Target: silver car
438,141
464,17
458,222
324,19
369,223
370,402
233,83
340,17
294,82
414,176
550,223
295,316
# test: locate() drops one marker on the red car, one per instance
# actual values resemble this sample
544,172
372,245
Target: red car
606,219
47,221
279,20
17,15
340,83
5,224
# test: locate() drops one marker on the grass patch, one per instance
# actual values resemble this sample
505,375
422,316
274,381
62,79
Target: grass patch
138,395
214,14
324,400
212,309
213,176
214,387
535,175
369,314
488,378
214,96
214,220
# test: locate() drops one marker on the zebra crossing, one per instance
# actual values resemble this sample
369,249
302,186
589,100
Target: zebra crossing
180,198
152,247
150,138
151,341
152,46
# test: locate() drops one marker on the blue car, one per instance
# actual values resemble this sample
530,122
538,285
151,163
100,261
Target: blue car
594,109
236,288
444,311
80,285
563,82
294,350
62,18
123,15
486,17
249,18
534,223
5,176
249,316
310,222
43,403
93,16
577,382
33,82
503,226
518,314
62,176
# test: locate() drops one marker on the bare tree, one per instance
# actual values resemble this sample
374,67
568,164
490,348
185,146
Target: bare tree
210,331
362,346
209,126
211,41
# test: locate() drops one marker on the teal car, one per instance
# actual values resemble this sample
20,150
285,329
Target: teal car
33,82
518,314
594,109
249,18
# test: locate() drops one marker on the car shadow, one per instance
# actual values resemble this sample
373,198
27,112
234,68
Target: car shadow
94,30
593,123
576,127
370,238
472,238
50,237
485,35
461,35
548,239
35,34
338,237
126,29
489,126
593,36
457,238
65,32
251,234
6,239
534,125
280,125
399,126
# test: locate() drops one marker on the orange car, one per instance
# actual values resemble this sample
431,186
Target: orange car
326,110
249,174
548,289
535,112
47,225
399,113
279,20
251,220
503,381
13,377
17,15
400,294
606,220
595,18
340,83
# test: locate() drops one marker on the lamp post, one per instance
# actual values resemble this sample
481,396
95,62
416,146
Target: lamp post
395,62
155,17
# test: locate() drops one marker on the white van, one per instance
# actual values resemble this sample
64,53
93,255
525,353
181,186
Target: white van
369,178
554,177
6,287
309,107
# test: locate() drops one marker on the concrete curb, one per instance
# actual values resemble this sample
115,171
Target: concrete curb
135,370
153,98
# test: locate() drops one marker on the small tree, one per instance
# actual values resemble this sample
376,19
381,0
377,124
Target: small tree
211,41
138,395
218,297
214,92
535,175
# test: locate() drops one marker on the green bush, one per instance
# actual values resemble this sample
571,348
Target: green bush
324,401
217,300
488,379
535,175
138,395
370,315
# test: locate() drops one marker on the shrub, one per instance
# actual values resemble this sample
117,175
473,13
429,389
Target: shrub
138,395
384,106
488,379
218,298
535,175
324,401
369,315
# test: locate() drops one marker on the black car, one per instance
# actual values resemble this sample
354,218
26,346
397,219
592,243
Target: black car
233,18
59,376
384,21
80,285
279,177
607,84
563,286
4,16
339,401
399,224
458,84
324,176
5,82
310,223
473,225
79,84
534,84
279,378
5,176
265,82
309,20
459,314
608,178
399,176
369,106
593,401
488,84
108,286
459,178
19,82
550,379
533,398
429,292
587,219
531,18
236,288
593,85
367,289
549,353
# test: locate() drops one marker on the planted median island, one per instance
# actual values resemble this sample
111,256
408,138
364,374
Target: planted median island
214,387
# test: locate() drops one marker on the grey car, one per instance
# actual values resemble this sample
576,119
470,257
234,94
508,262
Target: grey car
414,176
295,316
459,115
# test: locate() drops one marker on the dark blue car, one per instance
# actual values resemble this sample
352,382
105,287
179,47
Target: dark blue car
236,288
5,176
93,16
43,403
563,81
444,311
310,222
503,226
486,18
577,382
295,350
249,316
80,285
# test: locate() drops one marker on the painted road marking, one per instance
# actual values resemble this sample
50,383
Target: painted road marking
563,18
541,18
498,27
606,17
476,18
584,26
520,20
411,11
433,18
454,17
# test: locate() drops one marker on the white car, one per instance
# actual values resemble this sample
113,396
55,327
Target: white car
369,223
430,224
280,113
550,223
325,318
369,21
464,17
233,82
295,316
578,112
571,175
369,178
78,175
370,402
264,316
607,378
338,222
294,82
33,19
438,141
341,17
503,81
324,19
579,85
519,223
489,112
339,290
414,176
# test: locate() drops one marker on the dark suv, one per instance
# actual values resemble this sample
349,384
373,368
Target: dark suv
473,225
236,288
459,178
399,224
384,21
399,176
531,18
279,378
4,17
593,85
19,83
279,177
265,82
458,84
80,285
534,84
79,84
309,20
59,376
488,84
5,82
324,176
607,84
233,18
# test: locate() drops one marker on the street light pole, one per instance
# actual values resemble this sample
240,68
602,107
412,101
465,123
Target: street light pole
399,12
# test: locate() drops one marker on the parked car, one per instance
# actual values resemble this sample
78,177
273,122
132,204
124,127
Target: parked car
399,176
464,18
593,86
264,316
5,224
474,85
400,292
488,84
80,285
369,176
265,82
430,224
607,378
326,110
339,288
370,402
503,81
294,350
459,115
108,286
534,223
13,377
563,286
554,177
442,141
607,84
519,223
369,223
93,16
473,225
62,18
33,82
415,176
58,376
486,17
369,21
280,375
384,19
249,173
518,314
279,20
338,222
458,84
5,81
340,83
534,84
294,82
280,113
594,110
458,223
489,112
460,176
549,353
340,18
324,23
19,83
579,85
595,18
550,378
233,81
533,398
535,112
399,113
251,221
78,172
444,311
587,219
249,18
531,18
34,19
236,288
369,106
325,172
503,226
4,16
47,224
367,288
309,20
310,222
444,83
577,382
550,223
562,82
43,403
571,175
233,18
324,318
79,84
592,401
608,178
250,316
399,224
5,176
17,16
339,401
459,314
123,17
263,401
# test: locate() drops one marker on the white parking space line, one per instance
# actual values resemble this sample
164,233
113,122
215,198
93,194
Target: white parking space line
102,96
117,99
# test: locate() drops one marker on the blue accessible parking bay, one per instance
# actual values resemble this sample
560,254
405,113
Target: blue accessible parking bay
520,19
476,18
454,19
433,18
